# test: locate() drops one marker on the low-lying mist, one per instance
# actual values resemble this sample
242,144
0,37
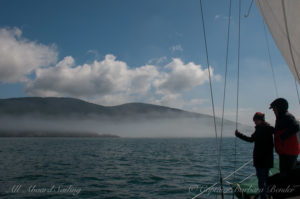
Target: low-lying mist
138,127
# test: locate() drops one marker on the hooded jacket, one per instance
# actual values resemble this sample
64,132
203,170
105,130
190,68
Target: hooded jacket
286,140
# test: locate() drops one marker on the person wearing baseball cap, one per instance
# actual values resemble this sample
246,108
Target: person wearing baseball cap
263,150
286,141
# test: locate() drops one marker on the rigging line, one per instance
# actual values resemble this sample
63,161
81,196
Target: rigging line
290,45
225,81
238,86
270,59
212,97
249,9
238,68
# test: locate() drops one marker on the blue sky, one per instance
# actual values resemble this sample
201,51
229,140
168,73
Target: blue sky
114,52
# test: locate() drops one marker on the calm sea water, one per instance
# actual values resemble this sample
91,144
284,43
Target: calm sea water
114,168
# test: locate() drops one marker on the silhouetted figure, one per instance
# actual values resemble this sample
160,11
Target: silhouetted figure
286,140
287,182
263,150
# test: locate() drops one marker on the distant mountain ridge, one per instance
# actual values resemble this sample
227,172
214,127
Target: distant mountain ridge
51,116
66,107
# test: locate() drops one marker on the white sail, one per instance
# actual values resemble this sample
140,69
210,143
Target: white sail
283,20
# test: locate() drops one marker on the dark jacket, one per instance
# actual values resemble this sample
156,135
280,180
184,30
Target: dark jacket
263,145
286,128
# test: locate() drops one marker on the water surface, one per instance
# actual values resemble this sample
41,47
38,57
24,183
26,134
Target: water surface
114,167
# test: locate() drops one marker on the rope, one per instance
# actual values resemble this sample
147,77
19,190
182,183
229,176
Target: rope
290,45
238,68
212,97
270,60
237,87
249,9
225,82
238,81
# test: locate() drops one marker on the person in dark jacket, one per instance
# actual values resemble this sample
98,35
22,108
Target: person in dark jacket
263,150
286,141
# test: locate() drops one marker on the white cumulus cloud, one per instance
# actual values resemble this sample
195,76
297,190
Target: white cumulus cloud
100,78
19,56
110,78
182,77
111,82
